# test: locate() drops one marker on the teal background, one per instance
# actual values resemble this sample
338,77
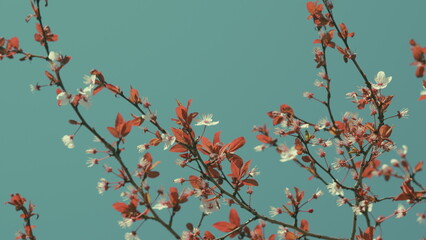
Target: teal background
235,59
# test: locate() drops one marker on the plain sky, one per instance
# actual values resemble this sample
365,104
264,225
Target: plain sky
236,59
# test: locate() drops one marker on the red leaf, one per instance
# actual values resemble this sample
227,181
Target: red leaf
245,168
236,144
418,167
304,225
229,226
233,217
113,132
113,88
13,43
50,76
250,182
287,109
127,127
153,174
97,89
307,159
235,171
277,120
224,226
290,236
119,206
216,138
420,71
263,138
53,38
119,120
179,134
422,97
178,148
38,28
208,236
134,96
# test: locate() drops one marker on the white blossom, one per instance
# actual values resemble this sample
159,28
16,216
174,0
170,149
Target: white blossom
209,206
54,56
89,79
168,140
131,236
68,141
401,211
287,154
206,120
259,148
63,98
125,223
102,185
381,80
335,189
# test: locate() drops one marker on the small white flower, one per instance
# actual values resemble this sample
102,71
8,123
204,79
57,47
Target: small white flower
282,232
381,80
322,74
206,120
180,162
68,141
34,88
356,210
341,201
131,236
125,223
86,94
168,140
179,180
394,162
142,147
89,79
160,205
421,217
335,189
91,151
102,185
403,152
253,172
318,83
259,148
275,211
63,98
308,95
209,206
401,211
318,194
323,123
92,161
143,162
287,154
403,113
287,193
54,56
352,95
364,206
145,102
151,116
